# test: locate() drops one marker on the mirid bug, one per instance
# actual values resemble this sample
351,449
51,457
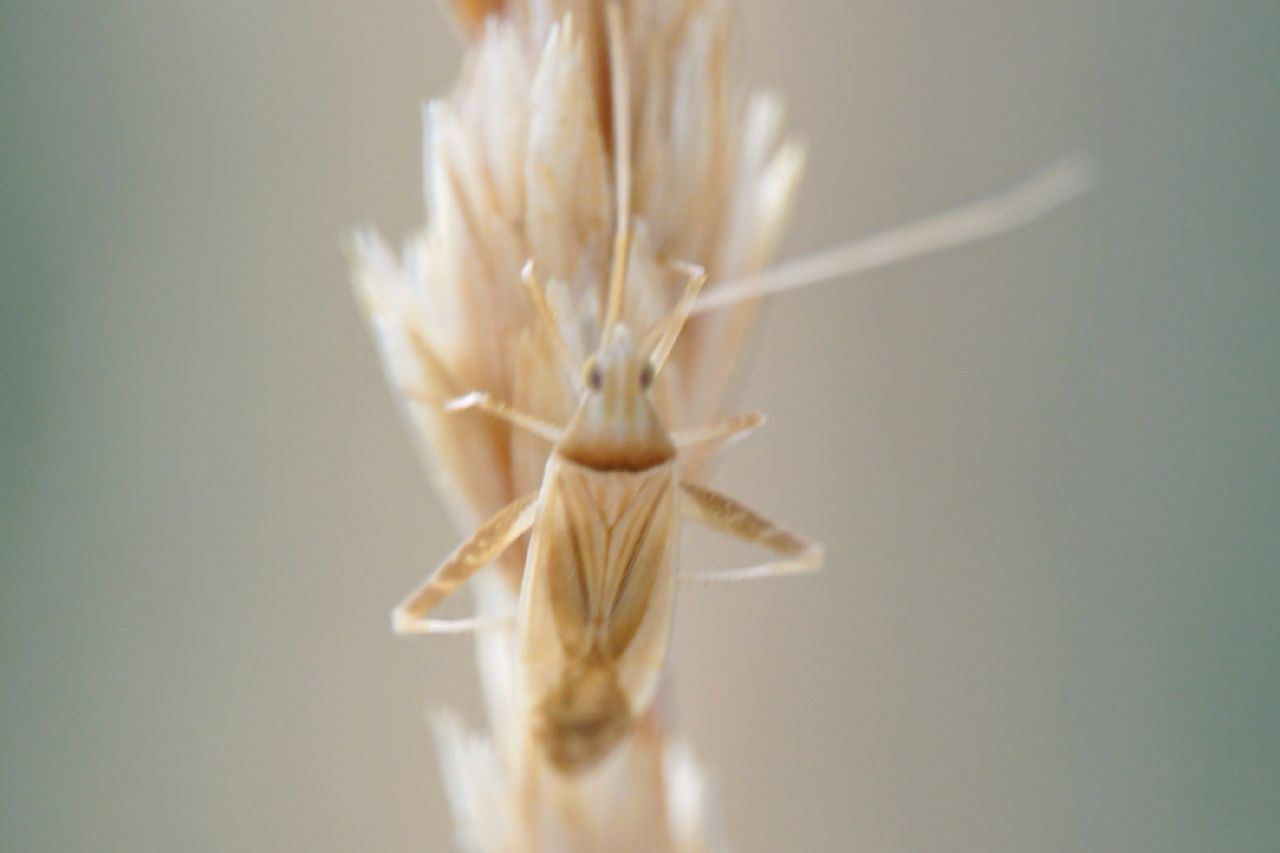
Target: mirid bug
598,587
599,581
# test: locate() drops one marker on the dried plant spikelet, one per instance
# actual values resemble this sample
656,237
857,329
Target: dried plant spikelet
505,286
471,14
569,205
518,168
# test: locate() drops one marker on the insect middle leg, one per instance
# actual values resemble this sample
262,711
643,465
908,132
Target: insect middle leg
726,515
491,539
720,431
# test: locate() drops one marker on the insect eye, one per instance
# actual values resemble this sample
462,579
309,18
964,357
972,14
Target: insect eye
591,373
646,376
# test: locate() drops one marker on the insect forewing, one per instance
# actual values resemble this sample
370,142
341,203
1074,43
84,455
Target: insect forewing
596,604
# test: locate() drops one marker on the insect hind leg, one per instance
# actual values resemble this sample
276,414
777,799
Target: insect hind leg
481,548
726,515
467,625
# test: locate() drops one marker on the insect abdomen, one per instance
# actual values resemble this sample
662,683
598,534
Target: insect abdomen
581,719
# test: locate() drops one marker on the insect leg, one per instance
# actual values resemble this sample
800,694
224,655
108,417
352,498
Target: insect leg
548,319
726,515
493,537
484,402
455,626
720,431
670,331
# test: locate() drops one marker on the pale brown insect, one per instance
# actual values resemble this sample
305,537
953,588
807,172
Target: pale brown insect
599,580
598,589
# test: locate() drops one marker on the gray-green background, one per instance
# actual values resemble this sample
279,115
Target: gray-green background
1046,468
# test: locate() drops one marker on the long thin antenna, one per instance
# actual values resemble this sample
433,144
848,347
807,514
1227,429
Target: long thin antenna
1043,192
620,88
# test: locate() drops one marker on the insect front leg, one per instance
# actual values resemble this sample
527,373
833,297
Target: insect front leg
483,401
547,317
491,539
726,515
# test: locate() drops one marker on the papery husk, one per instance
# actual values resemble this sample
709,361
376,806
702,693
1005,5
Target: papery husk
519,167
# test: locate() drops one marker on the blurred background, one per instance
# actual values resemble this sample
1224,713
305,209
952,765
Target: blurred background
1046,468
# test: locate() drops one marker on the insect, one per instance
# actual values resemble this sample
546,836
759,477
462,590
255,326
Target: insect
598,591
598,588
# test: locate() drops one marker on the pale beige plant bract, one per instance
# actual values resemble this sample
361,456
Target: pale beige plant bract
518,169
520,165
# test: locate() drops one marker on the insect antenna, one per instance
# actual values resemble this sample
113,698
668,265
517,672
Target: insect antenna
1043,192
620,91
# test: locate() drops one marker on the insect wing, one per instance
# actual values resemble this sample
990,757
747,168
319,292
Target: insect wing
599,583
